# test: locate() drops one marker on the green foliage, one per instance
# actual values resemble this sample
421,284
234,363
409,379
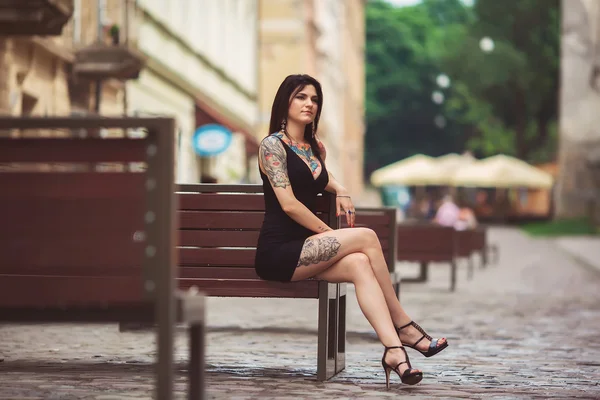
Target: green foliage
517,81
563,227
401,73
504,101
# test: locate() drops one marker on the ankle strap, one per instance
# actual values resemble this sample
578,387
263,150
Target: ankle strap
393,347
404,326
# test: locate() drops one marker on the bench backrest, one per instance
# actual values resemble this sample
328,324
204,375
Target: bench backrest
219,227
79,226
466,242
425,242
382,220
479,238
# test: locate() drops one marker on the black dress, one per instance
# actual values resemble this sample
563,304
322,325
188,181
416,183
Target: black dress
281,238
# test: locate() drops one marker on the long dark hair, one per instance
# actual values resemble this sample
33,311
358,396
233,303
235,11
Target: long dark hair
292,84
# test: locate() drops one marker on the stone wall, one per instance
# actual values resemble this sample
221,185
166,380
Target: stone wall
578,184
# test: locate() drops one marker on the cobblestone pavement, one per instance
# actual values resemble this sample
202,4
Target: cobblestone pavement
526,328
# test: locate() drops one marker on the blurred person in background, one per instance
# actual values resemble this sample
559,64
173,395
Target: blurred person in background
466,219
294,244
447,213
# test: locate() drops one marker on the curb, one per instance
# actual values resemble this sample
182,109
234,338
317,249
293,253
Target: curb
578,259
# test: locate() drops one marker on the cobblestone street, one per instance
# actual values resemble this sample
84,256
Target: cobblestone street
525,328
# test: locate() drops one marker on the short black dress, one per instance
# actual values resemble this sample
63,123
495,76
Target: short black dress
281,238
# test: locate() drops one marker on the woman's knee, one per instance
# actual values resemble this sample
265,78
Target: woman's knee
359,266
369,236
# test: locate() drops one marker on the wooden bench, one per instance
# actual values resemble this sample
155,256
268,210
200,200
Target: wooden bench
488,251
466,241
219,227
86,241
382,220
425,243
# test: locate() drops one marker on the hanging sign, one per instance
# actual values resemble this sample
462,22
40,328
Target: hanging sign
211,140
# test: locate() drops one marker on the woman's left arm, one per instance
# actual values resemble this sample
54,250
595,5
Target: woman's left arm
343,200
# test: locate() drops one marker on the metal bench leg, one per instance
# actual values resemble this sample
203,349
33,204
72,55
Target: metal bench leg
164,385
471,267
327,343
340,363
484,258
453,275
196,363
424,272
192,312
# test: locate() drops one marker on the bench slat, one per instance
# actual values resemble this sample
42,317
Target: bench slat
220,220
368,219
225,219
205,256
417,238
218,272
232,202
222,202
78,252
72,150
70,270
218,238
53,291
253,288
89,220
71,185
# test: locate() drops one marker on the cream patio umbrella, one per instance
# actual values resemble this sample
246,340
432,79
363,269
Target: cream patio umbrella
448,164
417,170
502,171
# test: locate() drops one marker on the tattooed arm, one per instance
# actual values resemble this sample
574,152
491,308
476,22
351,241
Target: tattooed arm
273,162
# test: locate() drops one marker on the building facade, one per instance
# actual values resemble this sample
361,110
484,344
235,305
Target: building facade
201,68
321,38
36,72
578,184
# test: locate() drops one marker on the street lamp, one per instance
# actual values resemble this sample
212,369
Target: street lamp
440,121
437,97
443,81
486,44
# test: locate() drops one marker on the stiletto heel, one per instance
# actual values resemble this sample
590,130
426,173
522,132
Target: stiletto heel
387,375
433,345
409,377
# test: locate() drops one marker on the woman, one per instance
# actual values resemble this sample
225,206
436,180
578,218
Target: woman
294,244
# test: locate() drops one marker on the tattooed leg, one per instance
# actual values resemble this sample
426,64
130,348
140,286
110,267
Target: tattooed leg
319,249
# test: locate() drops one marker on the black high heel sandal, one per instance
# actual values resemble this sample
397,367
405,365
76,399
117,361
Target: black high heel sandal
409,377
433,346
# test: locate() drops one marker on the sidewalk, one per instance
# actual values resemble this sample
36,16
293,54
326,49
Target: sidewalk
526,328
585,249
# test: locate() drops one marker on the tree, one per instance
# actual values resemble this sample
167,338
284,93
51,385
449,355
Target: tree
504,101
507,99
401,72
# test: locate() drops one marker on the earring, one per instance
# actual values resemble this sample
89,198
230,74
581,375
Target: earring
283,125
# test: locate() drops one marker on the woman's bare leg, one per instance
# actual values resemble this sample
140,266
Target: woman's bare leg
356,268
322,250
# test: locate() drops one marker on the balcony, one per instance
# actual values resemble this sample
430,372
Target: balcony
101,61
34,17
